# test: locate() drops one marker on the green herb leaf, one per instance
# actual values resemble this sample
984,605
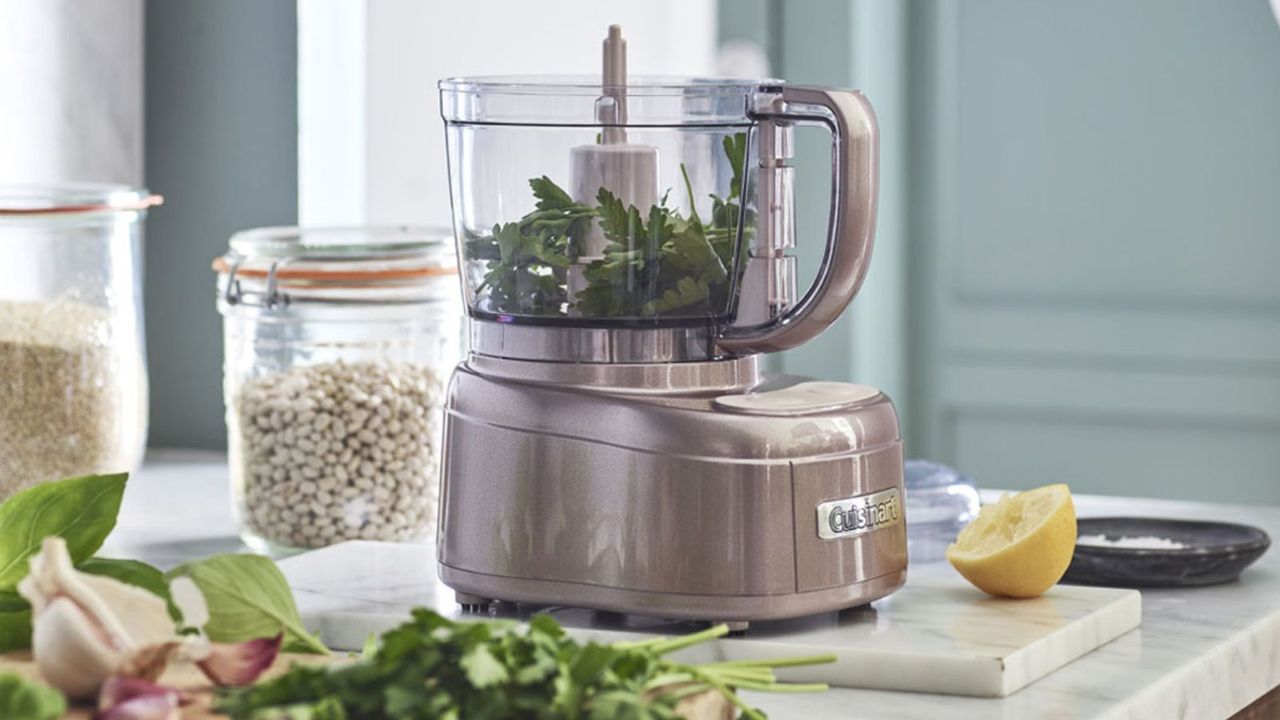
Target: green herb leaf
590,662
690,251
370,647
735,149
248,598
327,709
615,221
482,668
686,293
550,196
133,572
81,510
15,622
21,699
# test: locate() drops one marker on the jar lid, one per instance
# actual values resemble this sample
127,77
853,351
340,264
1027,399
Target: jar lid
59,198
275,265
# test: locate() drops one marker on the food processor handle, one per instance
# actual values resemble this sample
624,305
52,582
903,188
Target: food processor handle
851,225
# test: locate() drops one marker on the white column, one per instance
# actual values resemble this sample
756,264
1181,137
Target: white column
395,150
71,91
331,112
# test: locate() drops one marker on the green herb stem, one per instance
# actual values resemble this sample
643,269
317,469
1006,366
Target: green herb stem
669,645
747,711
688,186
731,677
775,663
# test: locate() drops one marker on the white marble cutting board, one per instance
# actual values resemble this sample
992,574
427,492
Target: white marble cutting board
937,634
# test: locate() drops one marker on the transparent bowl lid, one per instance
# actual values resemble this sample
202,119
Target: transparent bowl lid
573,100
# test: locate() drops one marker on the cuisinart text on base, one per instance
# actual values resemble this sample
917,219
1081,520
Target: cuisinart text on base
859,514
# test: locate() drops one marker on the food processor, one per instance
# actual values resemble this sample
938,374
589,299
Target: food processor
610,441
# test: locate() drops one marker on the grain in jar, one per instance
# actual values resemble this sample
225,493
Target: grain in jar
69,393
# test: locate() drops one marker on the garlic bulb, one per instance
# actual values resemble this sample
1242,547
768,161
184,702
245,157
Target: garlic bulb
86,628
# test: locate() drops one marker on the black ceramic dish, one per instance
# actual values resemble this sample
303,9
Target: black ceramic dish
1212,553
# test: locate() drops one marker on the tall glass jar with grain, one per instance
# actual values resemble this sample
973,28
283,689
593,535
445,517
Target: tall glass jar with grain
338,344
73,383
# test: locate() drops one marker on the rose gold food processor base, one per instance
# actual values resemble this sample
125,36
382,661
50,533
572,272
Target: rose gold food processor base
697,491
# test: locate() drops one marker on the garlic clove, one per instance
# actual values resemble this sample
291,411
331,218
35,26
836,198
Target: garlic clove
120,689
142,615
240,663
71,651
148,707
128,615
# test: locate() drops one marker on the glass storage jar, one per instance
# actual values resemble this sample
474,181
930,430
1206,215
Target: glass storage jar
338,344
73,383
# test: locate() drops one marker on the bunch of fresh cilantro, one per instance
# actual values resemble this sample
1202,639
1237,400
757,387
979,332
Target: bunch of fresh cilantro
436,668
657,264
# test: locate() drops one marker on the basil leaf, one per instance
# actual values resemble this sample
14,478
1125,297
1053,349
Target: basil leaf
248,598
82,510
21,699
15,622
133,572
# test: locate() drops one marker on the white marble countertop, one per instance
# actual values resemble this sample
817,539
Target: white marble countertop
1200,653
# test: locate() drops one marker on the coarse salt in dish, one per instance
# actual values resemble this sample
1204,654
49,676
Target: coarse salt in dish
1145,542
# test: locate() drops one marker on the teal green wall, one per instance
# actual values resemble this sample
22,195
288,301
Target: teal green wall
221,146
1077,276
853,44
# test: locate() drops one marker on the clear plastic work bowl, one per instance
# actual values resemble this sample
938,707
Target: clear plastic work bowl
587,205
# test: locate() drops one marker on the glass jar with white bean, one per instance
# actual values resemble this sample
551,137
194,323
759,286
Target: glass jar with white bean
338,344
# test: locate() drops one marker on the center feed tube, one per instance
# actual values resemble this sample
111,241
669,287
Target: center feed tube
855,159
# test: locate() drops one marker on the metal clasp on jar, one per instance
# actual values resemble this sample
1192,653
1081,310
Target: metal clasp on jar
273,297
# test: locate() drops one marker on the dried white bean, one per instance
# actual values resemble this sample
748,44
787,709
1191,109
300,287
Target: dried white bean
338,451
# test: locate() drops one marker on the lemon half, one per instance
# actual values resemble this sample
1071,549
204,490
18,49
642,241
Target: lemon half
1020,546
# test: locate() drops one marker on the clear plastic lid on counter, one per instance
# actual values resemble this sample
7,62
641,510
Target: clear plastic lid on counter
940,501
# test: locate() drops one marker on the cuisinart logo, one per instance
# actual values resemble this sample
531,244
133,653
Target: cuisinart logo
860,514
